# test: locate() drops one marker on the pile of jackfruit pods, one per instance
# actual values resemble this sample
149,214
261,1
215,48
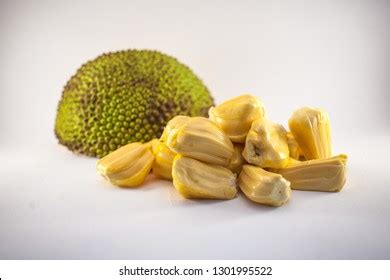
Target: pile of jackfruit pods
236,147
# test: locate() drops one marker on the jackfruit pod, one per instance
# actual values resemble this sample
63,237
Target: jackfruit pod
237,160
175,123
235,116
162,166
328,175
293,146
266,145
195,179
201,139
264,187
154,143
311,129
127,166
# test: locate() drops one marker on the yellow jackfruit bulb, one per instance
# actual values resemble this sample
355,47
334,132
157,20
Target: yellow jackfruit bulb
266,145
154,143
162,166
237,160
235,116
127,166
293,146
201,139
264,187
196,179
311,129
174,123
326,175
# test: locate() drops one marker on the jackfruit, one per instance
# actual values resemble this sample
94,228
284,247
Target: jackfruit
266,145
162,166
128,166
124,97
235,116
311,129
174,123
201,139
154,145
293,146
264,187
195,179
328,175
237,160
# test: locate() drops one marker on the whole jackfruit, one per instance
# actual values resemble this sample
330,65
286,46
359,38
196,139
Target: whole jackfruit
124,97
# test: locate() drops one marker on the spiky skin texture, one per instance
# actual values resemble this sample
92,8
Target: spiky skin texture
126,96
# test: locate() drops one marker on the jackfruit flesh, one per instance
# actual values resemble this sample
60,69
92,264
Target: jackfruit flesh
174,123
128,166
266,145
311,129
201,139
154,145
264,187
203,156
237,160
162,167
327,175
195,179
124,97
293,146
235,116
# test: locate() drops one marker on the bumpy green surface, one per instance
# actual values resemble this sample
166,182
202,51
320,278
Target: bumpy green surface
125,97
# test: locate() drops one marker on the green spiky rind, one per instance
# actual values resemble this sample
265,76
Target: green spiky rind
125,97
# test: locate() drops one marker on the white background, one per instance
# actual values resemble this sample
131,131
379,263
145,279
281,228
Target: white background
330,54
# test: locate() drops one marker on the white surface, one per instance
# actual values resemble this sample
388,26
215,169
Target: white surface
332,54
